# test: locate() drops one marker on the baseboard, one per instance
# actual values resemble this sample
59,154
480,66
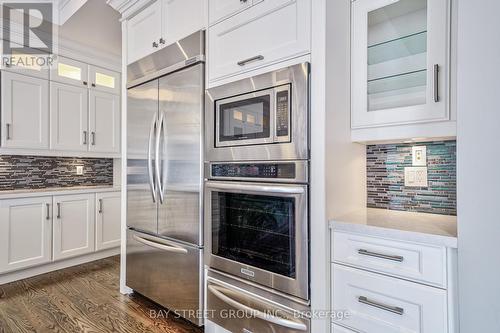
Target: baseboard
54,266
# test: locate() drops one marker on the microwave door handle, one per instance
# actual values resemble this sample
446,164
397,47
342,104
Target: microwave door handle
255,188
158,162
256,313
150,162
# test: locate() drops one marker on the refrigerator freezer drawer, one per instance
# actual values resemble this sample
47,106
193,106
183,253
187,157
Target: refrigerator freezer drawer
167,272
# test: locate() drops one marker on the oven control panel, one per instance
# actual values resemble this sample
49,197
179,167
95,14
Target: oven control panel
254,170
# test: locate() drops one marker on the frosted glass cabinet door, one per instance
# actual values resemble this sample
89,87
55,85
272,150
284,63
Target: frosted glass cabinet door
400,64
104,80
69,71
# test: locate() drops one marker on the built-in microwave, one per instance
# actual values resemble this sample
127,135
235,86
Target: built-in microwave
265,117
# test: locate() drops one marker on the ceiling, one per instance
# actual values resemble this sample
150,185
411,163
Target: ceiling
95,25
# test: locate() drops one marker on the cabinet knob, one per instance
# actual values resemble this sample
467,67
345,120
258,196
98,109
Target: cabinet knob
162,41
93,85
85,83
155,44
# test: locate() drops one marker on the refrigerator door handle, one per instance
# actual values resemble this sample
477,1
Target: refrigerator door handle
150,162
217,291
158,161
160,246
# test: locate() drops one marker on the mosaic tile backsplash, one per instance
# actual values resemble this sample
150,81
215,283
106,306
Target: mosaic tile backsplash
34,172
386,185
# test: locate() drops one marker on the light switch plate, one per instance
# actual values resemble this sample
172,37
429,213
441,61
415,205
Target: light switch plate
79,170
416,177
419,155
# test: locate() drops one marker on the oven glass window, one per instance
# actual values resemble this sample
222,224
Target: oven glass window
255,230
244,120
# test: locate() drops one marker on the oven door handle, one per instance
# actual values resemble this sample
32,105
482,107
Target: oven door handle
215,290
255,188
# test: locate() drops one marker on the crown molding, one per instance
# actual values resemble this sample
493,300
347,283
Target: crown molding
128,8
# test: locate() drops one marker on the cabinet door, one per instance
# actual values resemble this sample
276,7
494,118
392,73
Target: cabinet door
108,220
269,32
21,62
400,64
104,80
68,117
104,116
144,32
220,9
73,225
25,233
25,112
70,71
181,18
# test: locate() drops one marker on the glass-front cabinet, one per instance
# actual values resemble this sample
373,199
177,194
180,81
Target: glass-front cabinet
399,62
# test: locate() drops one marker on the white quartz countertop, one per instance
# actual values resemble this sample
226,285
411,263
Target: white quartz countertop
12,194
418,227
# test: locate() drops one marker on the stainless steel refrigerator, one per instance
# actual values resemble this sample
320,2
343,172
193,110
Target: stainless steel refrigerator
164,177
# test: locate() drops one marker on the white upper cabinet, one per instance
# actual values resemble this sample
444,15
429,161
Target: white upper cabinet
104,80
23,63
107,220
220,9
162,23
400,62
25,112
180,19
69,71
25,233
73,225
68,117
104,122
144,32
264,34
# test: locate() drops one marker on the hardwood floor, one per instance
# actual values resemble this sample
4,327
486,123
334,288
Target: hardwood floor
86,299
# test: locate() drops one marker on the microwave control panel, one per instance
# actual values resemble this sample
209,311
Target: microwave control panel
250,170
282,113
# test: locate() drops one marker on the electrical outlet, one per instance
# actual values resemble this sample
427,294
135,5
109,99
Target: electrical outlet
419,155
79,170
416,177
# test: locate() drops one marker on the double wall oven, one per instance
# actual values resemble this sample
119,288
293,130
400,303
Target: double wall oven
256,193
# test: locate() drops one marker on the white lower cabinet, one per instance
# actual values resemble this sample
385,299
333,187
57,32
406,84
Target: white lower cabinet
25,233
73,225
108,213
382,304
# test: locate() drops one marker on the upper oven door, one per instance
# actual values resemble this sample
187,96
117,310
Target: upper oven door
259,232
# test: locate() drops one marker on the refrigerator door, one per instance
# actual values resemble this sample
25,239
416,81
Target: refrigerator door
180,179
142,121
167,272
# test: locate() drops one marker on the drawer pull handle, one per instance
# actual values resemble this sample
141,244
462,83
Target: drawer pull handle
394,309
252,59
380,255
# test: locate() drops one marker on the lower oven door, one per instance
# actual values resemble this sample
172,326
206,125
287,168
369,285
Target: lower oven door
239,307
167,272
259,232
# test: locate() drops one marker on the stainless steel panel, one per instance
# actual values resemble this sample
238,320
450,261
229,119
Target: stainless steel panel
170,58
299,286
142,112
253,309
301,173
167,272
296,149
181,105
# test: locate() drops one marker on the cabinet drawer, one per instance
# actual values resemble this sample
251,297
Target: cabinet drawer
421,263
382,304
219,9
266,33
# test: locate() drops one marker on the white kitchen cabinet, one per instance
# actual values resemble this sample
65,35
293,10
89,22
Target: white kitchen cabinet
180,19
23,63
144,32
68,117
25,233
25,111
400,63
340,329
104,80
108,220
74,225
264,34
69,71
220,9
104,122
